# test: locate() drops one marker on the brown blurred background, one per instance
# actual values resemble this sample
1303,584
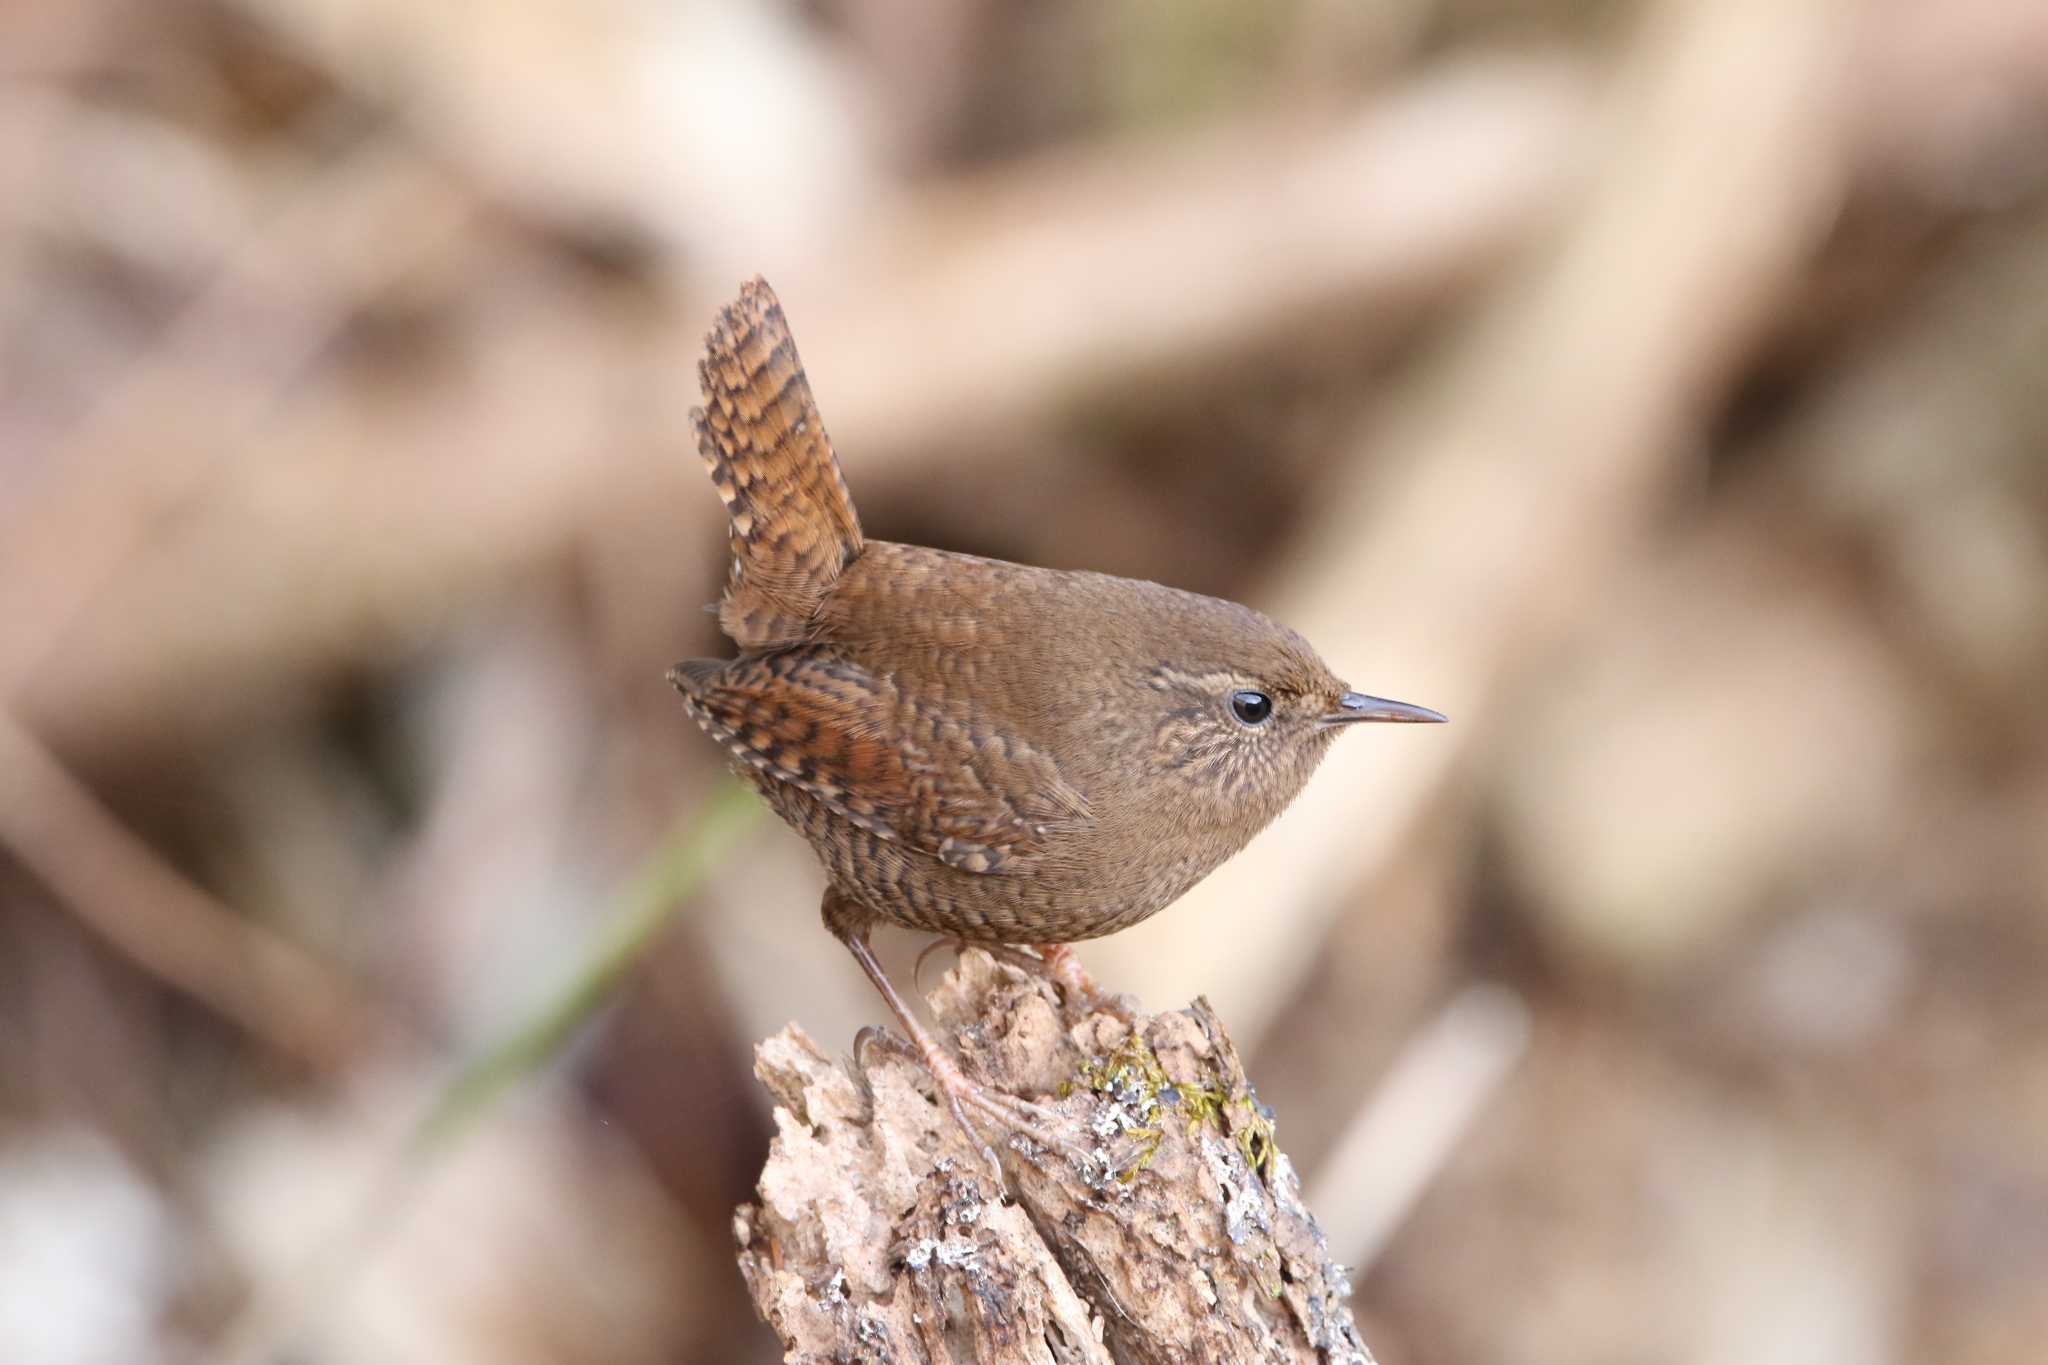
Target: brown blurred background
1656,387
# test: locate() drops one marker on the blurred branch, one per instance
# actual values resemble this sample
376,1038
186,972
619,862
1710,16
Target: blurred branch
145,910
1075,276
1377,215
880,1233
1555,435
1019,292
120,473
1405,1131
180,417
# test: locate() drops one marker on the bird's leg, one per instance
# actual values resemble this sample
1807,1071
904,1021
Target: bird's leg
961,1094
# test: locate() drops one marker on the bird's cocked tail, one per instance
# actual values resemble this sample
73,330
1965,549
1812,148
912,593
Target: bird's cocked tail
794,530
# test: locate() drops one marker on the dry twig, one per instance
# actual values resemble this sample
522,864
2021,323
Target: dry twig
146,910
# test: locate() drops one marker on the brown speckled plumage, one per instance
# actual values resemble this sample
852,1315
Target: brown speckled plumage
987,750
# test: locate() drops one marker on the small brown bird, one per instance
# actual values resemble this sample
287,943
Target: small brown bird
994,752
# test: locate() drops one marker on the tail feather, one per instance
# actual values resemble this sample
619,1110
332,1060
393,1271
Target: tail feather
794,530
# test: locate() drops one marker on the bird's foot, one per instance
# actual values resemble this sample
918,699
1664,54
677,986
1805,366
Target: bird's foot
1062,965
965,1097
872,1036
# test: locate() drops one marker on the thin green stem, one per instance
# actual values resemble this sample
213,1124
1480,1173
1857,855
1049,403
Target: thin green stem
692,849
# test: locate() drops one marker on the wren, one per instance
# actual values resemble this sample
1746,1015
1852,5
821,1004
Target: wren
997,753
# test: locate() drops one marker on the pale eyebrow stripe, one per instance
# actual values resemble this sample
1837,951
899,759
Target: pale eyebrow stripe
1164,676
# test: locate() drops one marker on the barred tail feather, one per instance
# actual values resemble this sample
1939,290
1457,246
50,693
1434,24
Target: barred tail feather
794,529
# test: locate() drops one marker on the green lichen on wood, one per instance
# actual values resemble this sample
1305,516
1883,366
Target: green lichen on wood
1131,1080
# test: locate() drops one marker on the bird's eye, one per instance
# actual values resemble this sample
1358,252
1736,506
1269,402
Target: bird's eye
1253,708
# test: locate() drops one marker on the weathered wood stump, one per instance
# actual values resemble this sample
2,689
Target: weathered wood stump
882,1235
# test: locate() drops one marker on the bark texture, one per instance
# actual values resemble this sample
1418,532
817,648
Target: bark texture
881,1235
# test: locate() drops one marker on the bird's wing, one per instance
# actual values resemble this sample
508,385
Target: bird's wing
933,776
793,528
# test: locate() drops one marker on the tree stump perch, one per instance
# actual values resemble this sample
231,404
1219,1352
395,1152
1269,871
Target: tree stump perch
881,1235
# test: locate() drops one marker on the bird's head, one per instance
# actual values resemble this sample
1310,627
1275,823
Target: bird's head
1241,710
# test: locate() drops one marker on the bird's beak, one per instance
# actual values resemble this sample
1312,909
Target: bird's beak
1356,706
